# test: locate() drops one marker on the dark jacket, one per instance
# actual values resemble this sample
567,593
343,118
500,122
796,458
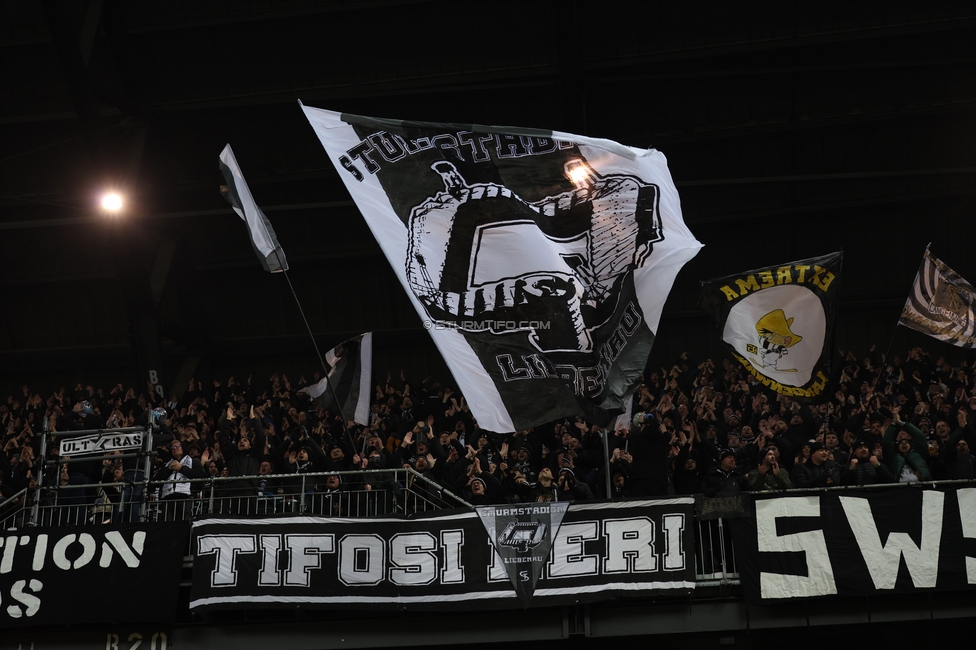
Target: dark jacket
759,482
806,475
720,483
915,459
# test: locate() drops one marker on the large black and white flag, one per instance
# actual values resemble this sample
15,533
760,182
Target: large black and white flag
941,304
777,321
238,194
350,366
539,261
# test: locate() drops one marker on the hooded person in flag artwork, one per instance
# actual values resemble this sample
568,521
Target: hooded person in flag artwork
776,321
540,261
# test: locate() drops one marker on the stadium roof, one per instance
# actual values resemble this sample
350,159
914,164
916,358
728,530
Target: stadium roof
791,130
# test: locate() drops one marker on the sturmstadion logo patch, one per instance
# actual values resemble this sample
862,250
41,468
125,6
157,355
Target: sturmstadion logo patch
522,536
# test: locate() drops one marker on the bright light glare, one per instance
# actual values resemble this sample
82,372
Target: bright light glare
579,173
112,202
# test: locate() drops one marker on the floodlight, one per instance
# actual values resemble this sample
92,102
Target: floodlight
112,202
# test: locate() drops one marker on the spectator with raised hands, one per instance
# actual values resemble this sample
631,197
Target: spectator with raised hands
961,461
957,454
669,447
768,475
834,451
691,462
649,444
303,455
521,459
477,486
242,449
569,488
71,495
905,451
865,467
19,467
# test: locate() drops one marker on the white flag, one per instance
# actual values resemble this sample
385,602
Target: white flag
539,261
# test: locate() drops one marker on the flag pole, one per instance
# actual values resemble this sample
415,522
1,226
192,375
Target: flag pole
325,369
884,360
237,193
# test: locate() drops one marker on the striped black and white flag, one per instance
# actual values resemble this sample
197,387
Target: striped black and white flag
941,304
238,194
539,261
350,367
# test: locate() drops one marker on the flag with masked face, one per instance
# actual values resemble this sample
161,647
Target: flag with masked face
238,194
539,261
350,371
777,321
941,304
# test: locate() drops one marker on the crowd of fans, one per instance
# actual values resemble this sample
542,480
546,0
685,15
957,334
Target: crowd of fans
697,428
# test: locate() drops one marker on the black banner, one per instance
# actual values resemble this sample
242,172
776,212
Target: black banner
600,551
91,574
891,540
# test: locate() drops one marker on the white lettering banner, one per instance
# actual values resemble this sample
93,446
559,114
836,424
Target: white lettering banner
891,540
600,551
77,575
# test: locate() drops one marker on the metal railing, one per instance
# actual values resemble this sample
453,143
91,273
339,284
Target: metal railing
368,493
12,508
714,554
